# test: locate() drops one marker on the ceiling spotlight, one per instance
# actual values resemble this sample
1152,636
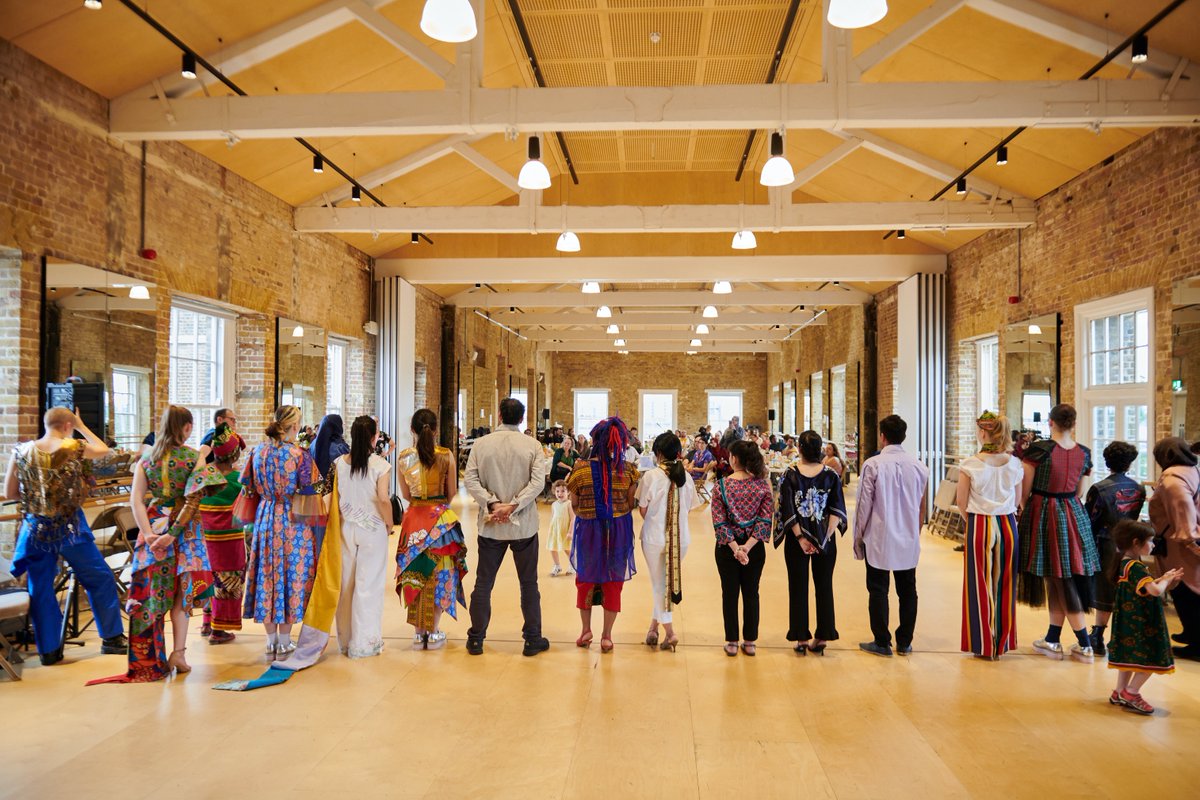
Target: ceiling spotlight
701,328
777,171
1035,329
960,186
1139,49
744,240
722,287
534,174
93,5
449,20
568,242
603,312
1001,155
900,234
619,342
188,69
298,331
694,343
710,312
139,292
415,238
318,164
591,287
612,329
856,13
356,194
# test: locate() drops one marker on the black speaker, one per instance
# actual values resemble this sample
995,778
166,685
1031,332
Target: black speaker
545,413
770,415
87,397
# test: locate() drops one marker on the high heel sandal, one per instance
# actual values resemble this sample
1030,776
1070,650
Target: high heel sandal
584,640
817,648
608,648
669,644
801,648
176,663
652,637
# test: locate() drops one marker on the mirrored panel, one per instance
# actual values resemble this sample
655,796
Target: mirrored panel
300,373
1185,361
1031,373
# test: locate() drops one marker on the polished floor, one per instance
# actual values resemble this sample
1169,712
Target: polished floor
635,723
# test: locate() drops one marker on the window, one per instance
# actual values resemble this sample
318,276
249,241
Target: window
807,411
657,412
789,407
591,406
335,377
837,402
130,406
523,396
1116,383
462,412
987,359
724,405
201,363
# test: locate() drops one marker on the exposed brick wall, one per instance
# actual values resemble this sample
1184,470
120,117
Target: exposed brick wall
690,376
90,345
1131,223
255,374
19,326
360,378
885,352
962,399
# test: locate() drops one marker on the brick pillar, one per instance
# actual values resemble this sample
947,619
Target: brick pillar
255,374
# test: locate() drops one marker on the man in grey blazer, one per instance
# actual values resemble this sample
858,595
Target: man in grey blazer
506,472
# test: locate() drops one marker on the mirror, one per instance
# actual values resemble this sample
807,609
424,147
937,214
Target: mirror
1185,362
99,343
1031,374
300,368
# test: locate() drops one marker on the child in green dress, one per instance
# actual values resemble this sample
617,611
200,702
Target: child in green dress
1140,645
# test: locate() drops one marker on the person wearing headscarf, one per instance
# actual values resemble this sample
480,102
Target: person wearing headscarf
225,540
602,494
1173,514
330,445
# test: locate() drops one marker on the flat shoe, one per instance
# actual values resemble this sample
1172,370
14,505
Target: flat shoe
731,649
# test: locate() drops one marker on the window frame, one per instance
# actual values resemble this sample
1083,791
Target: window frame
741,396
332,343
227,361
981,344
575,393
674,394
145,416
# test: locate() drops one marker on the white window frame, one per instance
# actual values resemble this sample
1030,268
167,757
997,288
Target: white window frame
1089,397
335,343
721,425
579,429
788,423
145,422
462,412
643,430
981,345
523,396
817,409
228,355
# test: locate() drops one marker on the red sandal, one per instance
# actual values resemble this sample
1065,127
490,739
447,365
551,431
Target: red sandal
584,640
1135,703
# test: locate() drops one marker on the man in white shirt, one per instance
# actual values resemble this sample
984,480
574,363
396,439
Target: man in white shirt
887,533
505,474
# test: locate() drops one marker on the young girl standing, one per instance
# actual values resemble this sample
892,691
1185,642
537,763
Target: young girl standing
561,519
1140,645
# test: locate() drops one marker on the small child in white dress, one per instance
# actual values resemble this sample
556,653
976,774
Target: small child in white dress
559,539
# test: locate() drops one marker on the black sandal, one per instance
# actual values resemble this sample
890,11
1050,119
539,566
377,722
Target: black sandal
818,649
801,648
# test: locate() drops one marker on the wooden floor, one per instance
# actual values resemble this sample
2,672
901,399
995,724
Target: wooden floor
632,724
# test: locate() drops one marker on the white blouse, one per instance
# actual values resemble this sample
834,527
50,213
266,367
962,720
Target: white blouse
652,496
993,489
356,493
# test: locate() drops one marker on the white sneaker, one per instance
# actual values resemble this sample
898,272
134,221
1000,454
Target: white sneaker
1084,654
436,640
554,573
1049,649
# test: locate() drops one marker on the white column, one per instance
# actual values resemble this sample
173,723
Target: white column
395,385
921,369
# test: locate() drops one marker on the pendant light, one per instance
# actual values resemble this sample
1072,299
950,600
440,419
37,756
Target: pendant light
591,287
612,329
694,343
722,287
449,20
778,170
900,234
139,292
710,312
298,331
701,328
534,174
318,165
93,5
1139,49
856,13
1035,329
188,67
619,342
1002,155
568,242
356,194
744,240
603,312
960,186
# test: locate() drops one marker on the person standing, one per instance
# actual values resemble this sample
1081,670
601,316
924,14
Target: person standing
812,508
1058,551
887,534
49,478
987,499
281,494
225,540
221,415
364,501
330,444
665,496
1173,513
505,474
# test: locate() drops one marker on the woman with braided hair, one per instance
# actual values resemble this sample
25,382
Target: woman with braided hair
602,495
665,496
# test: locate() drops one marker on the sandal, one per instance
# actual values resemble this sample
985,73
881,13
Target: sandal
175,662
731,648
1136,704
606,648
1114,699
584,640
749,648
801,648
669,644
221,637
817,647
652,637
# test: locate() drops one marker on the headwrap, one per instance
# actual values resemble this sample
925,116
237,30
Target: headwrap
1174,451
610,439
226,444
989,423
329,436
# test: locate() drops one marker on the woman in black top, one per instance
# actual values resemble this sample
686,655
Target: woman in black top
811,508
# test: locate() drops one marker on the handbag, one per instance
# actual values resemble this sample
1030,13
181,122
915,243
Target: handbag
397,511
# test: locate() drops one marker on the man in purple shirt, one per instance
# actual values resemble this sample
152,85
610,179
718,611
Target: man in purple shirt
887,533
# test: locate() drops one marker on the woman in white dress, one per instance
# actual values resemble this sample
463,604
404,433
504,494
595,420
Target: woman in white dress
665,497
365,503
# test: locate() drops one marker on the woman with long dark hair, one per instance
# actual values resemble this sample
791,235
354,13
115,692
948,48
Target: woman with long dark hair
329,444
365,504
432,557
665,496
811,509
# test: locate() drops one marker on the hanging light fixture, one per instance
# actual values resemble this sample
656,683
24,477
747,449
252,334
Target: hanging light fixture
960,186
856,13
701,328
619,342
694,343
612,329
356,194
591,287
449,20
1139,49
603,312
188,67
298,331
623,352
415,238
93,5
318,164
710,312
1002,155
534,174
691,352
722,287
744,240
139,292
778,170
1035,329
900,234
568,242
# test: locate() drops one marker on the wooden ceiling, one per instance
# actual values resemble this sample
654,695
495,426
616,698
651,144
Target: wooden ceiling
602,43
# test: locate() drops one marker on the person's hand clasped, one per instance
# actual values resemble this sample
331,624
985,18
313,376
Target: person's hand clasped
808,547
742,554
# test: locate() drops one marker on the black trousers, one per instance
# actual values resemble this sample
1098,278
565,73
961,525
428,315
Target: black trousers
740,580
491,555
1187,606
798,565
906,591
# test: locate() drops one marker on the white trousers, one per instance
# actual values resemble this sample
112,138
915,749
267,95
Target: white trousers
656,564
364,576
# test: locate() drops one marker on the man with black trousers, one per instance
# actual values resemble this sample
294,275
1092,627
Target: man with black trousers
505,474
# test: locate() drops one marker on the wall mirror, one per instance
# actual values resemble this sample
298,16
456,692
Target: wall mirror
1185,361
300,351
98,349
1031,372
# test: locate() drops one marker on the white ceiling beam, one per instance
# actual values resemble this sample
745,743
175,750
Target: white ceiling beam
652,299
679,336
657,318
959,104
939,215
1071,31
923,163
825,162
673,269
659,347
907,32
487,165
401,166
401,39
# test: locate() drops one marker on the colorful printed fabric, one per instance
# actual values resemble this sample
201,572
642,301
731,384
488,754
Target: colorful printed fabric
741,509
430,563
1111,500
226,543
53,485
1056,534
288,524
809,503
989,618
582,484
1140,639
602,550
